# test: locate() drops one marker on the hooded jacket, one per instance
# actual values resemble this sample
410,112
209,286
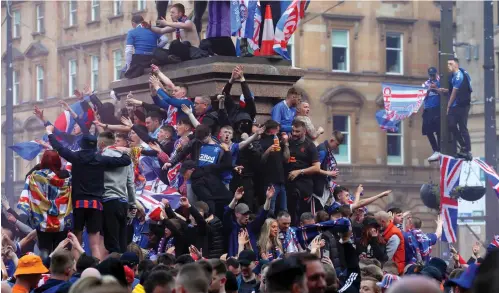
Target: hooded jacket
115,187
88,170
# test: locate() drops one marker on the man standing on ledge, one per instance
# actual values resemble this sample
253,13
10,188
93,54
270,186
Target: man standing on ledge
459,106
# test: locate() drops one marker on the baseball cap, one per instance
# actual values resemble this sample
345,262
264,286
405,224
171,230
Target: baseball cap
432,71
466,279
129,258
387,281
30,265
246,257
242,209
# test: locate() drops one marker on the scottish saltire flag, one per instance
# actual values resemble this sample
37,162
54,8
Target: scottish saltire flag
307,233
151,202
385,123
450,170
27,150
491,174
66,123
401,101
287,25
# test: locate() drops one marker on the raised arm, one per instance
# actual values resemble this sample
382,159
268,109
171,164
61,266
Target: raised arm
257,224
56,145
243,144
188,111
114,162
248,97
370,200
164,79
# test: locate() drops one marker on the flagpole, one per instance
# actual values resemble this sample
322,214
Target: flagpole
9,118
445,53
491,202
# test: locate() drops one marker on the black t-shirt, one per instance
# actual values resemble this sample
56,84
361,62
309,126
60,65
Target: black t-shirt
302,154
273,168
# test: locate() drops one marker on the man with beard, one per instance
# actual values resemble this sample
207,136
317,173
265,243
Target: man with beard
302,164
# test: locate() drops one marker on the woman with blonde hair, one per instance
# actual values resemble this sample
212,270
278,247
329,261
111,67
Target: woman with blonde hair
269,245
135,248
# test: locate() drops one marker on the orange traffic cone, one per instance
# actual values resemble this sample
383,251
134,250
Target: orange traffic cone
268,34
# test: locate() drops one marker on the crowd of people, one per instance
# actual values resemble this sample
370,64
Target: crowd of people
187,195
182,195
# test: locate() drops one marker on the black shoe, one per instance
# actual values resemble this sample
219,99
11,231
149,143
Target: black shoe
464,155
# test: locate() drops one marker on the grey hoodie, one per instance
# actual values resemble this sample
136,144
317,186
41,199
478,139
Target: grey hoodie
118,182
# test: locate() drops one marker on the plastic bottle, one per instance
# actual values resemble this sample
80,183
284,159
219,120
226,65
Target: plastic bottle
276,143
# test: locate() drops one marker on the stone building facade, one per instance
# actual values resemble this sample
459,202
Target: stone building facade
345,50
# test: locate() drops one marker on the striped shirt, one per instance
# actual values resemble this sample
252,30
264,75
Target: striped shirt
88,204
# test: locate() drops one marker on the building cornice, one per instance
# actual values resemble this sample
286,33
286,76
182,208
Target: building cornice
407,23
90,43
319,74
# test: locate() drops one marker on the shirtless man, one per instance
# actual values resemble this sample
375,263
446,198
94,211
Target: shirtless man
184,28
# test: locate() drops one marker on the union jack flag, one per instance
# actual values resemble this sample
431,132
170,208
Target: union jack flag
492,176
495,243
450,171
152,202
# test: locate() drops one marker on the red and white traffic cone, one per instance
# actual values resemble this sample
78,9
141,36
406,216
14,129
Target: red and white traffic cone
267,48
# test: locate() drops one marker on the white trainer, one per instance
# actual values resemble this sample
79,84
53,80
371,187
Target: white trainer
434,157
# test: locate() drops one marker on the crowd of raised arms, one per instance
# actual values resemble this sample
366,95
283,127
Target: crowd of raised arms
183,196
180,196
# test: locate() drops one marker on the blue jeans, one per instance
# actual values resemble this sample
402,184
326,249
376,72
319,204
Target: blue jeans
280,197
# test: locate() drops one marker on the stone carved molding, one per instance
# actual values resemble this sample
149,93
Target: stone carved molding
33,124
334,21
18,127
345,97
389,23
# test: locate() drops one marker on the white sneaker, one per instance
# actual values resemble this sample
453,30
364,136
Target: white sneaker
434,157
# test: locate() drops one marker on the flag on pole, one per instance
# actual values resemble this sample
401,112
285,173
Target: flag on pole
287,25
254,37
152,202
385,123
27,150
401,101
450,171
66,123
491,174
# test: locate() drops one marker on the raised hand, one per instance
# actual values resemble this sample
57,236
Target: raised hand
171,250
155,146
260,130
184,202
154,68
385,193
126,121
476,248
239,193
243,237
166,166
360,189
284,137
239,169
78,94
320,130
49,128
64,105
154,81
270,192
86,90
187,110
38,113
194,250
